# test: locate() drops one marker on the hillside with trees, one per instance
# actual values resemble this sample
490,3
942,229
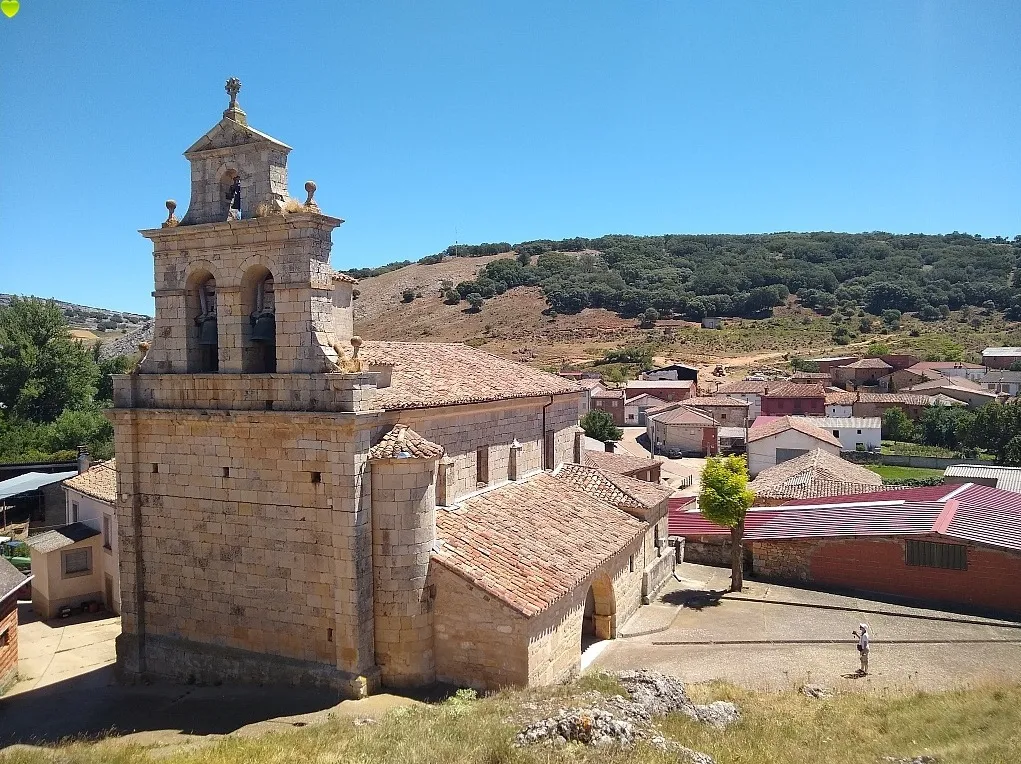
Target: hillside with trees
688,276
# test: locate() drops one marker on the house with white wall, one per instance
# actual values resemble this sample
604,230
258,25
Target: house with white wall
786,438
854,433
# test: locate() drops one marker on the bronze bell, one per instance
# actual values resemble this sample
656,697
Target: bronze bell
265,328
207,332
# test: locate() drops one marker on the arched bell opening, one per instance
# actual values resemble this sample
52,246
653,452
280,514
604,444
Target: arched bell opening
203,341
259,346
230,195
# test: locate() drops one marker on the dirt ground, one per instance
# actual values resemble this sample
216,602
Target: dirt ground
777,637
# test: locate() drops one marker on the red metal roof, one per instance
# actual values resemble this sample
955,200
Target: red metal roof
967,512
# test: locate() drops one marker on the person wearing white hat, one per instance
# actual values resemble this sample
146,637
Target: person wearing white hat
863,647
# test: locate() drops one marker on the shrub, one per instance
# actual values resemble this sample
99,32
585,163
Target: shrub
407,295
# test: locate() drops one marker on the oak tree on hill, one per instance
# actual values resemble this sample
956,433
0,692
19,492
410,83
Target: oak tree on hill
724,499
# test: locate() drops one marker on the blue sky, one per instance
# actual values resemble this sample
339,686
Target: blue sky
506,121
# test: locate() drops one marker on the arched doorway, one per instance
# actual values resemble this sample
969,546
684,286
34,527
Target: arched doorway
600,618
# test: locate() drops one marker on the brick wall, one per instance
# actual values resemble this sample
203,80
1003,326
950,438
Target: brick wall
878,565
9,653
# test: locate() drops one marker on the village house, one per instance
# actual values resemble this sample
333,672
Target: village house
864,372
783,398
1004,478
867,404
815,474
970,393
726,411
637,467
749,391
635,409
854,433
679,430
1001,358
899,360
12,582
92,500
1002,382
664,389
610,401
786,438
810,378
295,506
839,402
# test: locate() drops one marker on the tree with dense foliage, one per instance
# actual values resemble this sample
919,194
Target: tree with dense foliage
897,426
649,319
724,499
451,297
876,349
599,425
475,301
997,428
43,370
408,295
946,427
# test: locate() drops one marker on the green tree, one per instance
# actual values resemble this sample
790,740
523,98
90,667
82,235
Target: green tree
451,297
42,369
841,336
475,301
995,427
877,349
897,426
107,368
724,499
599,426
408,295
524,257
649,318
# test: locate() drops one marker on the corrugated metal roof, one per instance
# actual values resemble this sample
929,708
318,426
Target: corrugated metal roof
1007,478
689,522
1002,352
30,481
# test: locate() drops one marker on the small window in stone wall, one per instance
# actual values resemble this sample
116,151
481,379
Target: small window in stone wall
931,554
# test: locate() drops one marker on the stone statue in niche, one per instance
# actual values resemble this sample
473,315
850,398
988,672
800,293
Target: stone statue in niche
234,197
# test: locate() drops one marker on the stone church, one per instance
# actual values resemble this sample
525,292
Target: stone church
296,506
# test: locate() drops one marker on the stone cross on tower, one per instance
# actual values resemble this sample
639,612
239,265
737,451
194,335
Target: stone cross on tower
235,112
233,87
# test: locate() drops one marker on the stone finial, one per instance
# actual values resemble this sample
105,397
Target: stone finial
310,189
171,220
349,364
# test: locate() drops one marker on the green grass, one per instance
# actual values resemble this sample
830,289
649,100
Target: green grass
975,726
887,472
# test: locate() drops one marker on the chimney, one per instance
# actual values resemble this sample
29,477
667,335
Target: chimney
84,461
608,446
514,461
579,446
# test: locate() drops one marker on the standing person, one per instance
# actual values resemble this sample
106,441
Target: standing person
863,647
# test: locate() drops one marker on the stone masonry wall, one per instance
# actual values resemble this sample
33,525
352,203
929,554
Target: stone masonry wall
403,534
245,532
479,641
462,430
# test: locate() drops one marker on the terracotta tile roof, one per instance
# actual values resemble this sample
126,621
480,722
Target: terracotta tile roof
427,374
783,424
590,383
99,481
619,464
817,473
906,399
619,490
61,537
868,363
404,443
745,387
950,383
793,390
682,415
716,400
841,398
529,544
810,375
338,276
608,393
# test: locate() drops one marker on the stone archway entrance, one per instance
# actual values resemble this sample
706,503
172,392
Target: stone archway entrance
600,618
